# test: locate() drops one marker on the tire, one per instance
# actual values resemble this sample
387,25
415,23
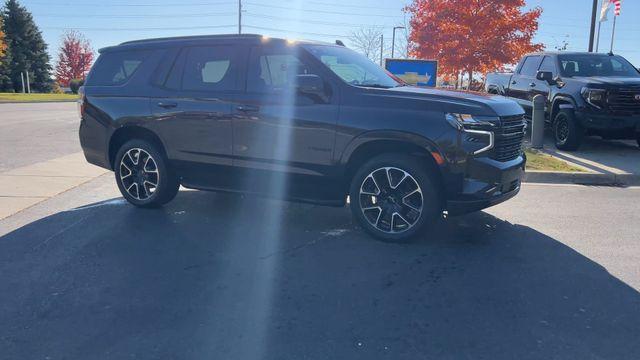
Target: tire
395,214
134,166
567,132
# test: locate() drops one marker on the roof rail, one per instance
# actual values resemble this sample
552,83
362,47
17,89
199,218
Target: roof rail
191,37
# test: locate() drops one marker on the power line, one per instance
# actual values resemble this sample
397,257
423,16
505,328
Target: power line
294,32
350,6
127,16
319,22
141,29
75,4
321,11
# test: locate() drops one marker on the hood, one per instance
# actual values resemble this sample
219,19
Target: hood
458,101
607,80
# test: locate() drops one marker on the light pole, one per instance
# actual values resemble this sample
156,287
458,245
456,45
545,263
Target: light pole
393,40
381,49
239,16
594,12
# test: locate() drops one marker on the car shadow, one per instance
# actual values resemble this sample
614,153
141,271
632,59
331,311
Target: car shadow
229,277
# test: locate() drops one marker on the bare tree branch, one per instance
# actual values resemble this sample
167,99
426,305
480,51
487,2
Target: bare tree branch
367,41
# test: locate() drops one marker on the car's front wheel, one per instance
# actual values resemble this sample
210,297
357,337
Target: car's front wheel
567,131
394,198
143,176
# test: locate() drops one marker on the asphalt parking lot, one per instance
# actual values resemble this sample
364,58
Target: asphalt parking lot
552,274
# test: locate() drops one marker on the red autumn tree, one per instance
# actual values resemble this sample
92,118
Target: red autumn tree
74,59
468,36
3,45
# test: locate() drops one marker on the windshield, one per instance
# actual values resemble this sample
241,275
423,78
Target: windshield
352,67
596,65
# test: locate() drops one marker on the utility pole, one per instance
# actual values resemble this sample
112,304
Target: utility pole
393,40
594,12
29,86
381,48
239,16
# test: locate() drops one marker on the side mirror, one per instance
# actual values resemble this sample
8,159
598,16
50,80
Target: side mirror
545,76
310,85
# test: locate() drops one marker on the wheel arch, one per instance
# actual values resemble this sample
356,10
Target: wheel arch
495,90
376,143
559,103
129,132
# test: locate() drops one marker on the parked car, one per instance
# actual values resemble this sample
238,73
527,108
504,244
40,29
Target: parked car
587,94
303,121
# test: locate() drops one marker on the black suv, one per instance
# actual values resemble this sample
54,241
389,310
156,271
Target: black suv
587,94
303,121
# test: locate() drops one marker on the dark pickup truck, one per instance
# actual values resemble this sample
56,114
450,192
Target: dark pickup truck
587,94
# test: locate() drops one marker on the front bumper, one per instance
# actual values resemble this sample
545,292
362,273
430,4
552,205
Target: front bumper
615,123
487,182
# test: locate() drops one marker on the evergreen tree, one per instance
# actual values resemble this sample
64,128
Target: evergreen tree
27,48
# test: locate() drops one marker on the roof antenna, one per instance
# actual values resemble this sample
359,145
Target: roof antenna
339,42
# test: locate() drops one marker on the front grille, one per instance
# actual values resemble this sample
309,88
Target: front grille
508,138
623,101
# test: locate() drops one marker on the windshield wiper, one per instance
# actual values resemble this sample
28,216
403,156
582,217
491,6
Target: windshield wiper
377,86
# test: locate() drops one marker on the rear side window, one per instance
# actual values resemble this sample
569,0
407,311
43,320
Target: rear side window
273,70
530,66
116,68
210,68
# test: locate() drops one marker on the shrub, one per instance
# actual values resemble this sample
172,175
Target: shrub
75,85
56,89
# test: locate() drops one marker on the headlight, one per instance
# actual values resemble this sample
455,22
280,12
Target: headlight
471,122
475,127
595,97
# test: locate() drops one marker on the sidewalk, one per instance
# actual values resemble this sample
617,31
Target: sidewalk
26,186
604,161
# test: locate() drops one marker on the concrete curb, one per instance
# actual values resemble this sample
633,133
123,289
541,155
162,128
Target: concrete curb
36,102
588,178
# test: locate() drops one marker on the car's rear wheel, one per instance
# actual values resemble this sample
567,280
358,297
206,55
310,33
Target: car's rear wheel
567,132
143,176
394,198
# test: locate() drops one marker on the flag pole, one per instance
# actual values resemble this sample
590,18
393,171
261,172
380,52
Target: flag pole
613,32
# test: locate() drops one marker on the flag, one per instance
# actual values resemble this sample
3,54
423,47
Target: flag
606,4
617,5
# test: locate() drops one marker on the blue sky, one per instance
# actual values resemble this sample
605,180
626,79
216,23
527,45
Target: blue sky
107,22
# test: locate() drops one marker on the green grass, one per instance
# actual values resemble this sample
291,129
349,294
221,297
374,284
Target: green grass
10,97
537,160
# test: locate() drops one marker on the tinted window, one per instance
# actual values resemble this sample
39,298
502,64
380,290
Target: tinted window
548,65
530,66
210,68
352,67
116,68
596,65
275,69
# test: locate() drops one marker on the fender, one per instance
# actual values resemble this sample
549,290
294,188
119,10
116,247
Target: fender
498,88
569,104
391,135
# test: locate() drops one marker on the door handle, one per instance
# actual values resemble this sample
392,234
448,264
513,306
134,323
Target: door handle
514,82
247,108
167,105
532,84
